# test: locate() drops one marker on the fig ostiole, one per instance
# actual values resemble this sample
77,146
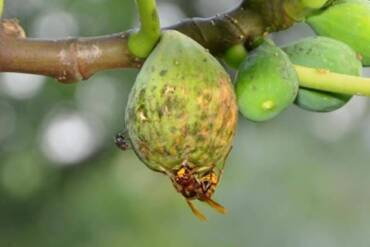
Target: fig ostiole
266,84
323,53
181,117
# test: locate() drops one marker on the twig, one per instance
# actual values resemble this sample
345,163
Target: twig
325,80
75,59
142,42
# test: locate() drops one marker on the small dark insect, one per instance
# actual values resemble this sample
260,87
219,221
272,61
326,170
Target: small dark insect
122,141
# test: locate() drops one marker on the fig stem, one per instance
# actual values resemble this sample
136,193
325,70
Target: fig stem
325,80
142,42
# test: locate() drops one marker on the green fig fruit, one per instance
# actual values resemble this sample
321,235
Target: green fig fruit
235,55
181,116
299,9
347,21
323,53
266,83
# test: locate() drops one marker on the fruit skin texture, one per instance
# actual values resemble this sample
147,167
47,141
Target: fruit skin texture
323,53
266,83
347,21
182,108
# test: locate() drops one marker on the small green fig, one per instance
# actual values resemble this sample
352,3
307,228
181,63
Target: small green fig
347,21
181,116
266,83
235,55
323,53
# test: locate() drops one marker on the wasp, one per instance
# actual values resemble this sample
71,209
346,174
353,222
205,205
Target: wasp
196,183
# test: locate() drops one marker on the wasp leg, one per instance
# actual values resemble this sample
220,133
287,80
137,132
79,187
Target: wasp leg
122,141
163,170
196,212
221,170
219,208
203,169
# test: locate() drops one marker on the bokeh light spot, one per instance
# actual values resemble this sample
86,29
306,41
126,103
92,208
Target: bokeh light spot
69,138
21,86
169,13
57,24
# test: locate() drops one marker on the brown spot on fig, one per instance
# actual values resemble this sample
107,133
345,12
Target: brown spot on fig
163,72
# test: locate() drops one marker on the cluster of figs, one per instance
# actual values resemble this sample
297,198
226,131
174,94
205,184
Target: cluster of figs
182,111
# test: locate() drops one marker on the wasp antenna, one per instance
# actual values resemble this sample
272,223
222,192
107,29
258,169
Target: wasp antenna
219,208
196,212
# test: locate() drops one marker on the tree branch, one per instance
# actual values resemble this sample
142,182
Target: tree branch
67,60
75,59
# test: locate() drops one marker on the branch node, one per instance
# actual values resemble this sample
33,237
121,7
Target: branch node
12,28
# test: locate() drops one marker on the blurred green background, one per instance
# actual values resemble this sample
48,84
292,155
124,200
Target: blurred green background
302,179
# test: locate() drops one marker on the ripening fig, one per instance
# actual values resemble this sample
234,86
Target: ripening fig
266,83
347,21
181,117
323,53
